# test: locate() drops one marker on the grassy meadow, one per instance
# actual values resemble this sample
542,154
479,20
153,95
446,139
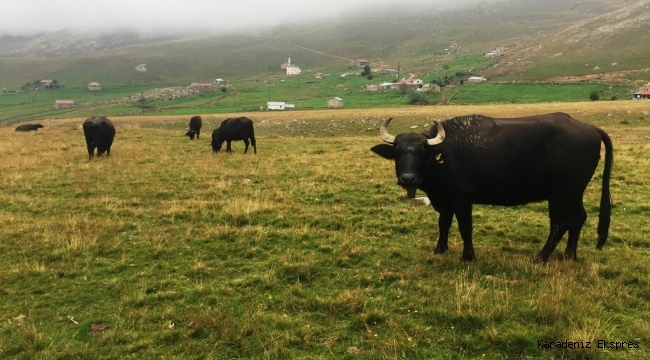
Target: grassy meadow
304,91
307,250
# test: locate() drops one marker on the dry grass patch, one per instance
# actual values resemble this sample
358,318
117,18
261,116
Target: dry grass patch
306,250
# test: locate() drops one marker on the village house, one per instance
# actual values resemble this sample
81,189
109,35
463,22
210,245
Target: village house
429,88
476,79
202,86
279,105
361,63
46,83
94,86
642,93
62,104
335,102
408,83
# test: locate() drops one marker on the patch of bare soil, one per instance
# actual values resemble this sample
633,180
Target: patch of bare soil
98,329
614,76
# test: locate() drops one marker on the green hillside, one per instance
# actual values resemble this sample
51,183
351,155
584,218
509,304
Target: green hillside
594,45
533,32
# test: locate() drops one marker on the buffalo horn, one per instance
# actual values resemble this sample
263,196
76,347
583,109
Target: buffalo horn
439,138
383,132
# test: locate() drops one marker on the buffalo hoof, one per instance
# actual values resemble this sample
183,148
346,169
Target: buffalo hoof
540,259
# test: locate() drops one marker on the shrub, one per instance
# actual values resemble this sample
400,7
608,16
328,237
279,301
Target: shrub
417,98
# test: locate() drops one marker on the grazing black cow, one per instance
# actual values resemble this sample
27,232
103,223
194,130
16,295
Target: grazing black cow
195,127
482,160
29,127
99,133
240,128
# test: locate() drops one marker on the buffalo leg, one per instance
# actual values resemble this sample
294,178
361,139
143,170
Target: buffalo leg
254,145
559,226
578,218
246,144
464,218
91,151
444,223
228,149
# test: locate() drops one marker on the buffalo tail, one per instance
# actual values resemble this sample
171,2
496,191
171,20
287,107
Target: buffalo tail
604,217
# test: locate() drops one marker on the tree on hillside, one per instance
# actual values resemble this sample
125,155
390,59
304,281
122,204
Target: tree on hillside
594,96
417,98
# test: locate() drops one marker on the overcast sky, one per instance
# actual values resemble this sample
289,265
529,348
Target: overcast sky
28,17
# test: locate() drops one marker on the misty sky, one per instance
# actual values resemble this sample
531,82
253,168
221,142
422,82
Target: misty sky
28,17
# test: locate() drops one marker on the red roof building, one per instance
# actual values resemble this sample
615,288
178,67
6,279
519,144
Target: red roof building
62,104
94,86
643,93
361,63
202,86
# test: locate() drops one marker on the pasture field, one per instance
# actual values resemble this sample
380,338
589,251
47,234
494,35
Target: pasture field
307,250
305,91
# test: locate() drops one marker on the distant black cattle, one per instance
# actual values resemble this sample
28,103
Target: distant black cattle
240,128
195,127
29,127
99,133
482,160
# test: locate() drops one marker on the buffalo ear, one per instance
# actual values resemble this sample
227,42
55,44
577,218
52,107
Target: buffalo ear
383,150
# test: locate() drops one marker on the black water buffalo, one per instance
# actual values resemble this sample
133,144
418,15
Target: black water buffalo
99,133
195,127
29,127
482,160
240,128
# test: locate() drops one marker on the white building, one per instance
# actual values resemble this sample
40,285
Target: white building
292,69
335,102
279,105
476,79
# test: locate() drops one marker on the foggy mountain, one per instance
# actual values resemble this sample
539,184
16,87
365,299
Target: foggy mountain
553,38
